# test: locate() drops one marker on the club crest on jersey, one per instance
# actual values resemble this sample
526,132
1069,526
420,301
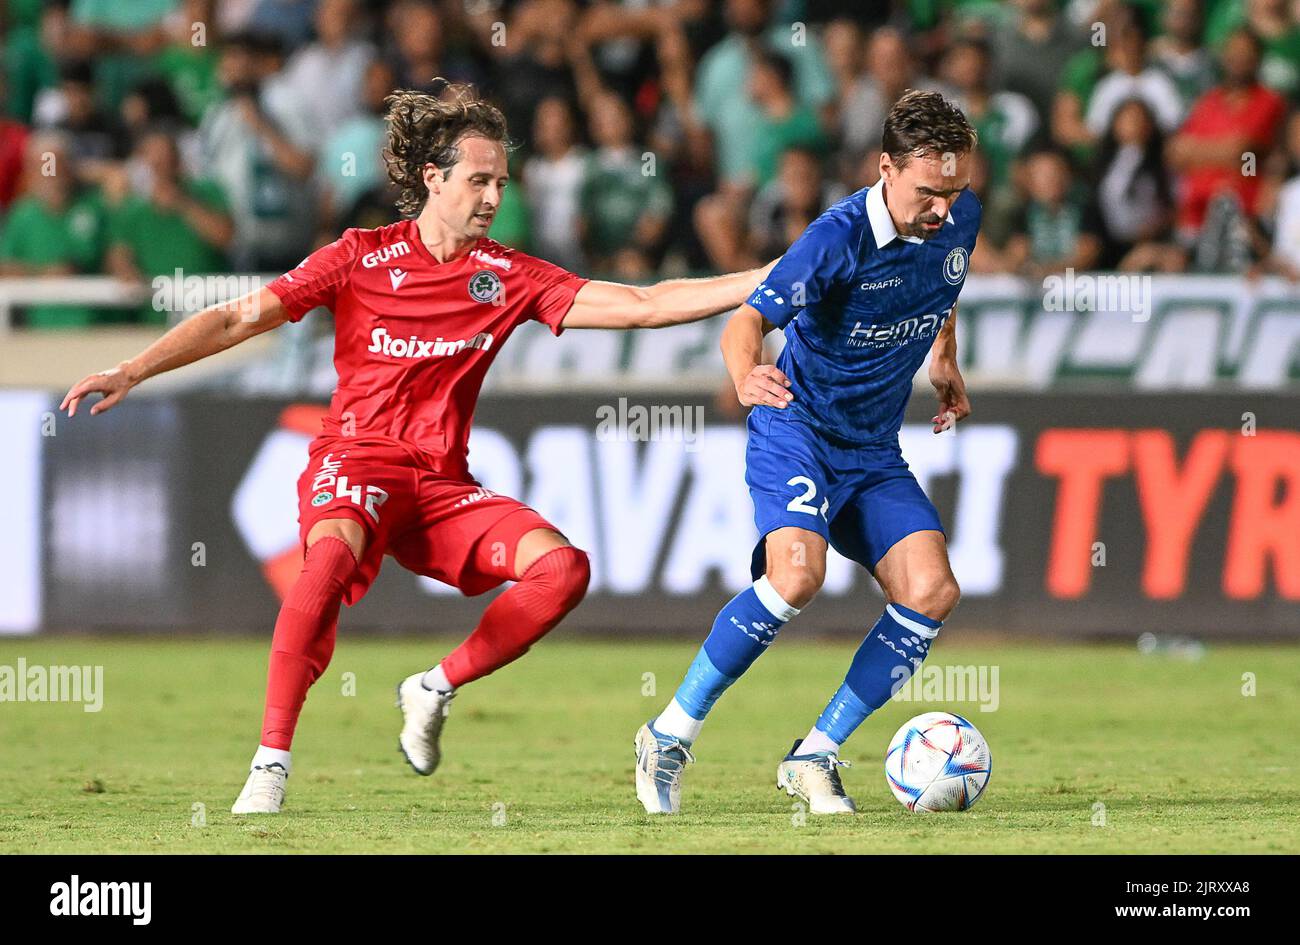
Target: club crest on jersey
485,286
321,498
954,267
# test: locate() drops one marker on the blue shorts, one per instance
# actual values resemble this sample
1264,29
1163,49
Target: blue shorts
861,499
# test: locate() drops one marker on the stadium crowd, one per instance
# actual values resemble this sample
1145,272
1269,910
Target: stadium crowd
654,137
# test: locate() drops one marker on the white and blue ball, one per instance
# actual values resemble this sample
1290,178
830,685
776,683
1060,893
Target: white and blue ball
938,762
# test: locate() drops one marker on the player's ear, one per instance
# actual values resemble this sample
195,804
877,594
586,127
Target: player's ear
432,177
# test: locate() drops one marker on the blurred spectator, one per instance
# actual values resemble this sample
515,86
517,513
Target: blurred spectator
783,121
1005,121
844,42
290,21
1135,193
1000,211
535,64
553,181
785,207
1059,228
159,222
235,16
417,52
1130,76
349,163
624,202
13,144
325,78
188,62
1030,52
1080,75
120,38
1275,23
623,35
28,58
1227,137
53,229
891,70
1180,51
512,224
252,145
720,100
1284,257
149,104
94,136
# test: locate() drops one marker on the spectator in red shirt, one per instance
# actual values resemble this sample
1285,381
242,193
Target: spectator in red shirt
13,141
1229,123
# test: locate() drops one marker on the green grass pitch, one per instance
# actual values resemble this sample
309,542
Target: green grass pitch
539,757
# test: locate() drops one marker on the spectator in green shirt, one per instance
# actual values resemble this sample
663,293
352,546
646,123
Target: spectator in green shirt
1005,121
720,101
784,122
624,202
52,230
160,223
1060,228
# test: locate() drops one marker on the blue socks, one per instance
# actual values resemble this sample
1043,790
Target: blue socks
892,651
743,629
887,658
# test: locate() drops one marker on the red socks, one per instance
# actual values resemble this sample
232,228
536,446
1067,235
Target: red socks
304,636
551,587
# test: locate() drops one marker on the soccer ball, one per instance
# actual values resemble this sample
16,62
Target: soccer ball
938,761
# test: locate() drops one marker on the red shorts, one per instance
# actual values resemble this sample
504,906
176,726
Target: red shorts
452,530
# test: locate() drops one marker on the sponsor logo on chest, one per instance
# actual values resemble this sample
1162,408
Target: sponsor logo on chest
896,334
381,342
385,254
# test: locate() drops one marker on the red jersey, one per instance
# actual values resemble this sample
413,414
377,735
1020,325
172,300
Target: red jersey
413,337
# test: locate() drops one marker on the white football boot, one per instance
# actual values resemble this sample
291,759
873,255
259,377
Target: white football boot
814,778
660,760
423,711
263,792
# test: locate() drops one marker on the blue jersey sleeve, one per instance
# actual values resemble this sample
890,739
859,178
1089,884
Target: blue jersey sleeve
819,259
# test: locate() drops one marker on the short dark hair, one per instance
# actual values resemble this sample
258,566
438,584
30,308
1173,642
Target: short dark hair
925,123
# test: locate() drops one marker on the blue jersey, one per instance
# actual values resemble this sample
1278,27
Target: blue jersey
860,306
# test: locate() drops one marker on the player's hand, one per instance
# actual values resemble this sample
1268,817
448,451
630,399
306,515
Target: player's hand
112,384
765,385
951,388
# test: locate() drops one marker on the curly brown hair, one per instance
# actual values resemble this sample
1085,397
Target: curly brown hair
425,127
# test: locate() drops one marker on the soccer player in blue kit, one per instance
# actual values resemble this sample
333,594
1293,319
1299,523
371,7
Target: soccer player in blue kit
862,296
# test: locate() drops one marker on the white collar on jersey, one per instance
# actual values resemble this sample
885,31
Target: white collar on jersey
882,225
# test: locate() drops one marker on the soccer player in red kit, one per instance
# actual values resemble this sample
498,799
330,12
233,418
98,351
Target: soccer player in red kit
421,307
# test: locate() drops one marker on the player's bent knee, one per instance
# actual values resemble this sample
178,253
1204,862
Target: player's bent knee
346,529
565,572
797,586
933,596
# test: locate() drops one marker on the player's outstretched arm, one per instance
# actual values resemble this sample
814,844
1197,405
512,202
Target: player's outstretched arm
742,351
946,377
674,302
214,329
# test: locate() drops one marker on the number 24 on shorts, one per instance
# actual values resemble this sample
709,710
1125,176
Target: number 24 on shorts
800,502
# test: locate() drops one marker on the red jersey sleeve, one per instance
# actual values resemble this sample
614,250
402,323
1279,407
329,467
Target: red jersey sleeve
317,279
551,291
